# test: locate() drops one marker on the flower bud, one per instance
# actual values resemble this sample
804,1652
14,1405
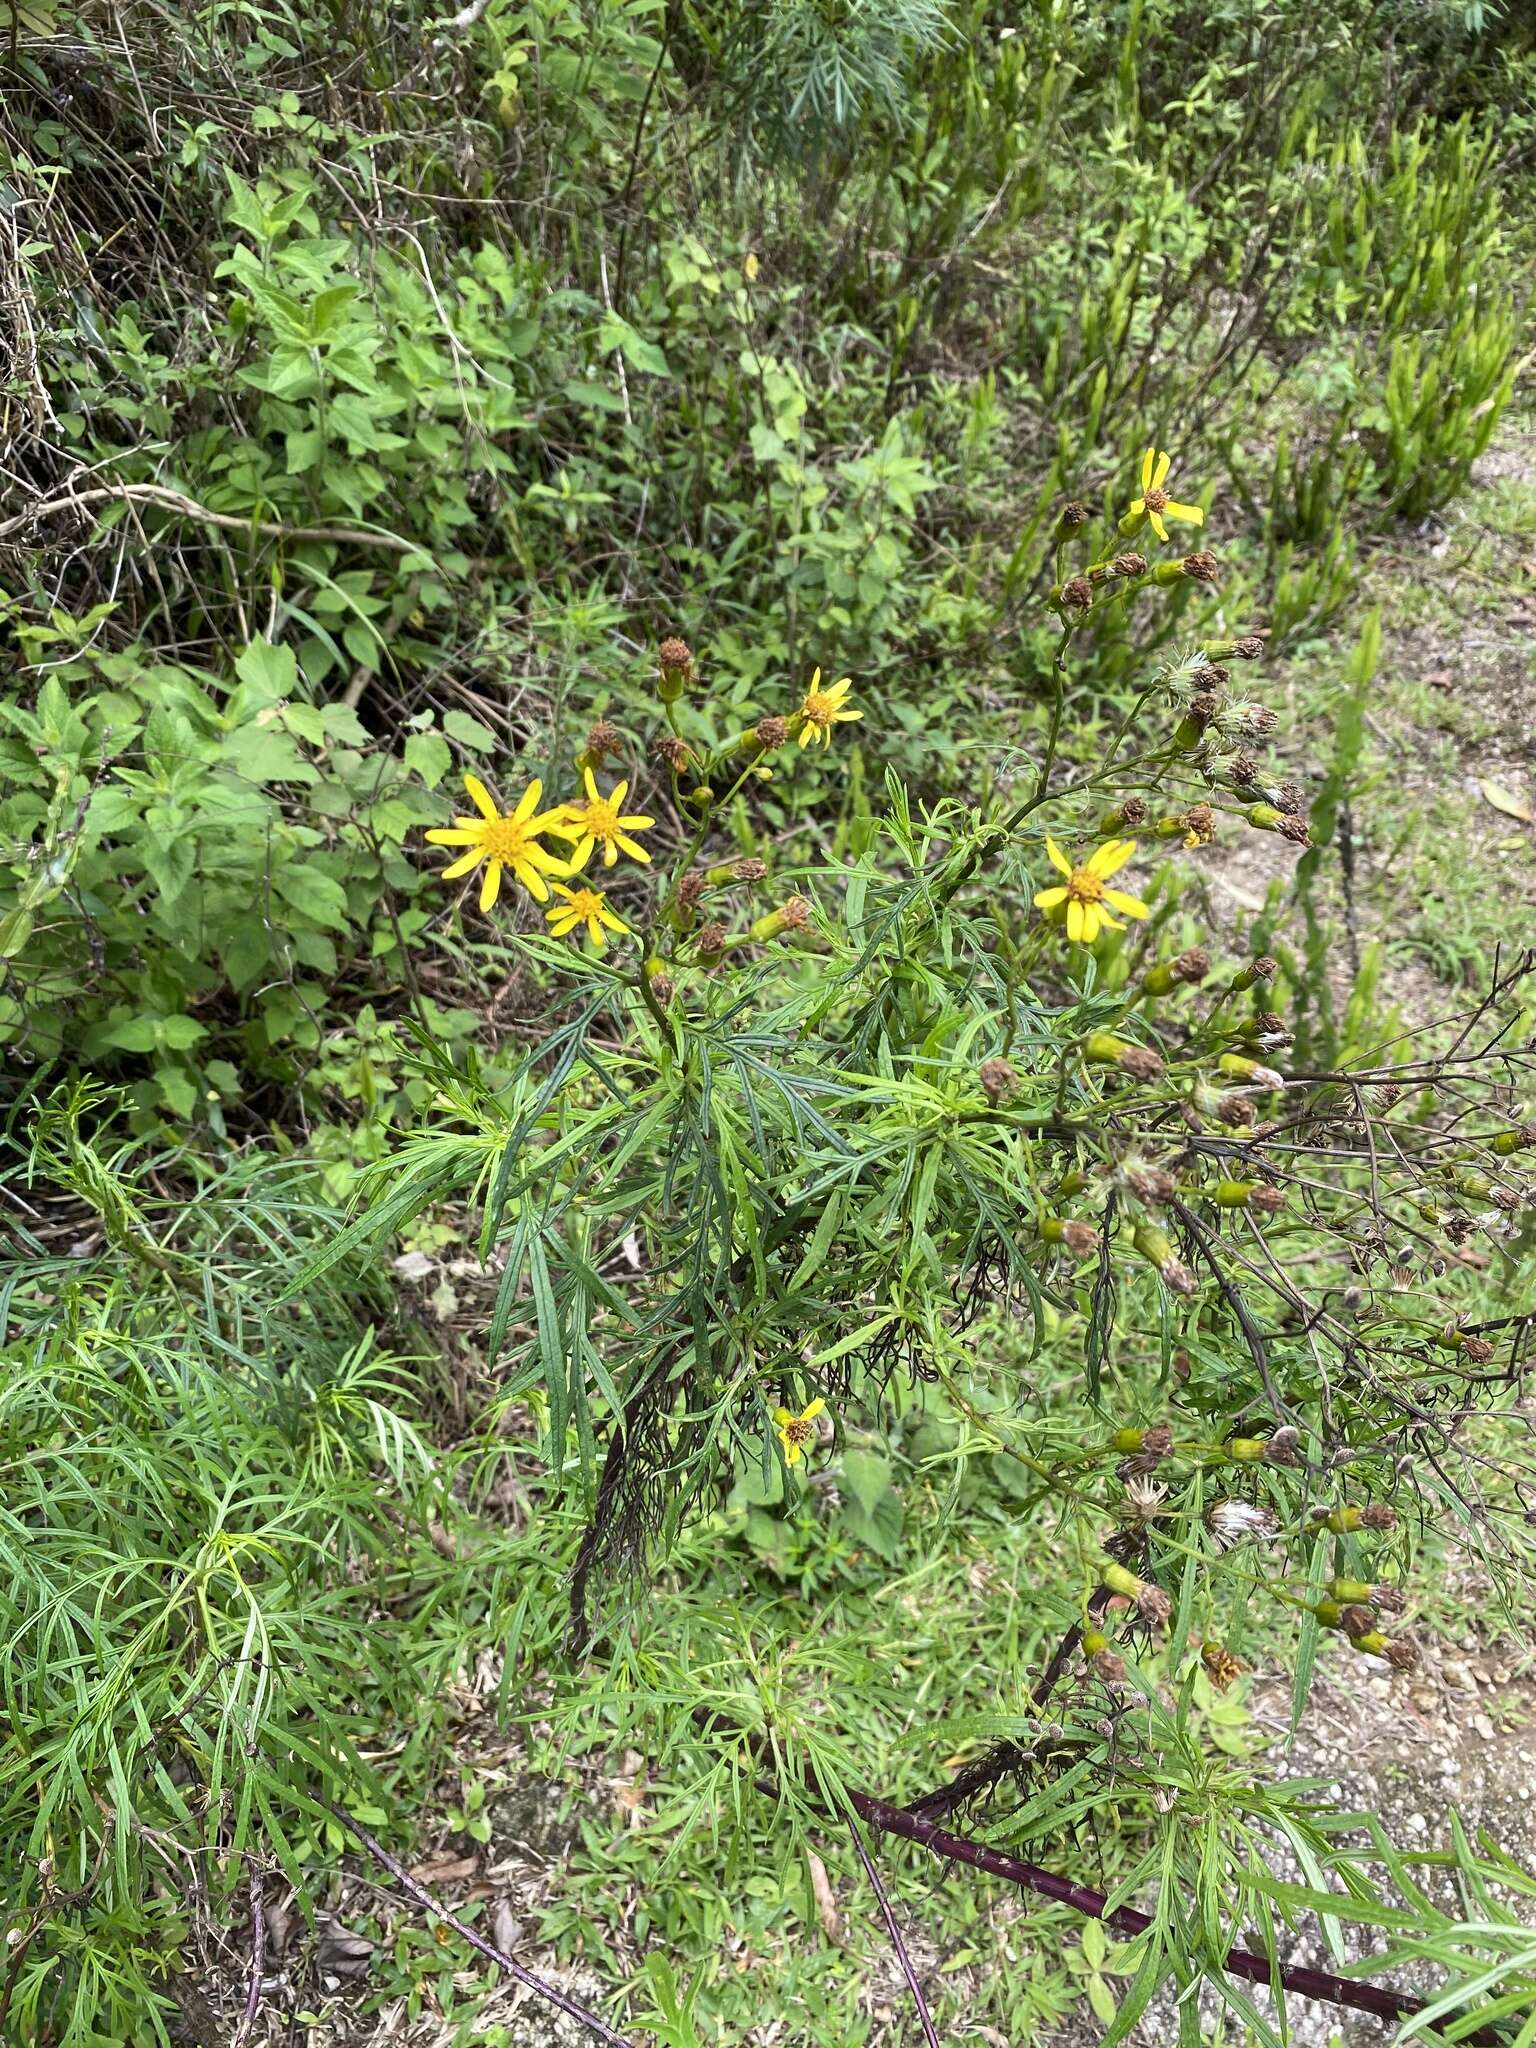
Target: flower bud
1125,817
1151,1602
1080,1239
1102,1048
1156,1248
1241,1068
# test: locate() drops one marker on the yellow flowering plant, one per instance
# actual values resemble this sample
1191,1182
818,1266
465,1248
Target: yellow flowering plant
980,1084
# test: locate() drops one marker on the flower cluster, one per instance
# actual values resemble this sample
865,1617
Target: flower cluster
597,821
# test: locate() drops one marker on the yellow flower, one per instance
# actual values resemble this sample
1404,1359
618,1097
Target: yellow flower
1155,502
599,822
583,906
1086,890
504,841
822,709
796,1431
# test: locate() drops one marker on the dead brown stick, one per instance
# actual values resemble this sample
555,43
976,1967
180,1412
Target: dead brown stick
189,508
418,1891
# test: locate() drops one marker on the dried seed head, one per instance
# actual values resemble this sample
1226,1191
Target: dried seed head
1144,1501
1295,829
1157,1442
1107,1667
749,870
1388,1599
1357,1621
1254,721
1199,823
1153,1604
1203,566
1203,707
1283,1446
1127,815
1128,565
692,887
1073,515
1378,1516
1221,1667
1506,1198
1210,676
795,913
663,988
1476,1350
1401,1652
1077,593
1249,648
1234,1110
1178,1279
1080,1239
1140,1062
998,1080
1193,966
1291,798
1150,1183
1268,1201
712,938
772,732
1244,771
1239,1521
675,752
604,738
675,658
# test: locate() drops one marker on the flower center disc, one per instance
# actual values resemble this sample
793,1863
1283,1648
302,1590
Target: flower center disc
819,708
1156,501
799,1431
505,839
600,818
586,903
1084,887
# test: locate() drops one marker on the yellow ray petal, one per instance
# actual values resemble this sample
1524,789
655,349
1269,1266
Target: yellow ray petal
1138,506
490,888
1147,462
812,1409
1164,464
480,797
1091,916
1075,913
631,846
782,1415
531,880
448,835
462,867
1048,899
1056,857
1128,906
1109,857
617,794
1157,525
633,824
528,802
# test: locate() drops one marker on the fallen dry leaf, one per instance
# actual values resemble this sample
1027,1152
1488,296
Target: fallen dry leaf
826,1901
443,1869
1506,801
